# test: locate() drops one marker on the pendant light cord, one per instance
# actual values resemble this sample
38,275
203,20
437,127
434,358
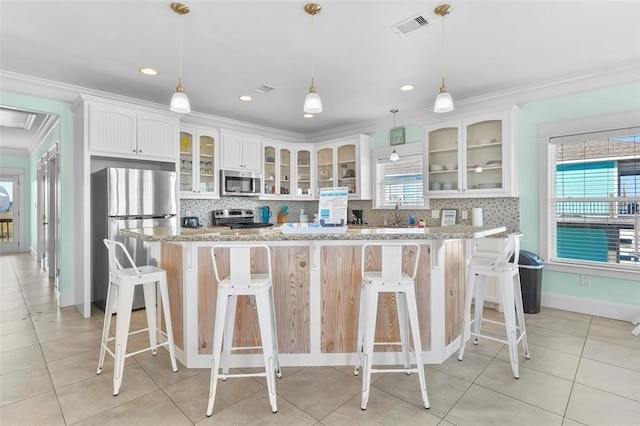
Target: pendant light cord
443,58
312,49
180,51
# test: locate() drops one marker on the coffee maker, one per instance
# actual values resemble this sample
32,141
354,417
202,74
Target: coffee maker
357,217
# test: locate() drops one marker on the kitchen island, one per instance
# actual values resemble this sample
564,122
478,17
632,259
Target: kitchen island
316,280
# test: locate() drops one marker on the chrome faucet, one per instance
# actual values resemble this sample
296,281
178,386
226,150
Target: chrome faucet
398,211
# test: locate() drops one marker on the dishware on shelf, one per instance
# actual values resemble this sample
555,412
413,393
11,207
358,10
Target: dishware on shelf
435,186
489,185
436,167
448,185
452,166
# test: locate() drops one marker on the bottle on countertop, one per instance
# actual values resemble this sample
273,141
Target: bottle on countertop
412,220
386,222
303,217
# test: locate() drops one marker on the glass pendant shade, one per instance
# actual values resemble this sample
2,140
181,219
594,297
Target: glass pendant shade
394,155
312,103
180,101
444,102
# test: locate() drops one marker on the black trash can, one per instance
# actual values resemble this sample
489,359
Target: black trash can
530,280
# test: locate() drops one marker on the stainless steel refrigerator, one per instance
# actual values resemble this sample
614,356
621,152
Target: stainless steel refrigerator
124,198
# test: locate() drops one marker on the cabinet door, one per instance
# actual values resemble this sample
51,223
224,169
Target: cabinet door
444,158
324,175
251,154
156,136
232,152
112,129
187,160
347,168
206,177
484,155
269,170
304,176
285,171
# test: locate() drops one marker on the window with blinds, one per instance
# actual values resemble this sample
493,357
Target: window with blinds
400,179
594,202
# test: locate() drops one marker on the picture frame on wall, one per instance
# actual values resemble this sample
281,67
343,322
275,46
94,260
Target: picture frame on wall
396,136
448,218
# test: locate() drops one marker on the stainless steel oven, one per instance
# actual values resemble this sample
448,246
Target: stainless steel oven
243,184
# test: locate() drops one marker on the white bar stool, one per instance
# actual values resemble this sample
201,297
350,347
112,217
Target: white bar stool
390,279
486,263
122,282
241,282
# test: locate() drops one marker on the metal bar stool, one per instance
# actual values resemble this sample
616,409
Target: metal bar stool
122,282
241,282
390,279
502,264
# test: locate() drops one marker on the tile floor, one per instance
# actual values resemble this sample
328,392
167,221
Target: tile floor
583,370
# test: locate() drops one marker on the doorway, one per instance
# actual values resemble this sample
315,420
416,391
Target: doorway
10,223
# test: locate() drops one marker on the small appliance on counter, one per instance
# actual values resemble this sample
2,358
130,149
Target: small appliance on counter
237,219
357,217
190,222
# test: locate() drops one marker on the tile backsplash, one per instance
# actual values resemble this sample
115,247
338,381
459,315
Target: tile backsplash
496,211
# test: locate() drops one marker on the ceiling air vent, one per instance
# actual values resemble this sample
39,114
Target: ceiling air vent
411,24
265,88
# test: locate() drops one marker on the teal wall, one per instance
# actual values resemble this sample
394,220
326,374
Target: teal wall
532,115
63,133
412,134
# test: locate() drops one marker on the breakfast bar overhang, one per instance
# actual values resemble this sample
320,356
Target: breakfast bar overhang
316,282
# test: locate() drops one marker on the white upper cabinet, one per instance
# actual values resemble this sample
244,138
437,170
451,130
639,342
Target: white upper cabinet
345,163
242,153
199,163
287,171
473,157
123,130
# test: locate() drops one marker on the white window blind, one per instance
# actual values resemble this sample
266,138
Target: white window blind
399,179
594,202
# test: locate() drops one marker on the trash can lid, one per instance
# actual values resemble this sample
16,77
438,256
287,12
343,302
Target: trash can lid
528,258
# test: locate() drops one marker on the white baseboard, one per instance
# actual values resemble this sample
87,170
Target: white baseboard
599,308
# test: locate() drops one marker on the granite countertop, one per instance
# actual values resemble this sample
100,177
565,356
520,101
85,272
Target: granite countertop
360,232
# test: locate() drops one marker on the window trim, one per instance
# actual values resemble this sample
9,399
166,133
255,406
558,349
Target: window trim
416,148
574,129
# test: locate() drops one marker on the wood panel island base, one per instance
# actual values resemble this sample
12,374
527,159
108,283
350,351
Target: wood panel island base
316,288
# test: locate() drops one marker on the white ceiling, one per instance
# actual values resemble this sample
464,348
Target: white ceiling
232,47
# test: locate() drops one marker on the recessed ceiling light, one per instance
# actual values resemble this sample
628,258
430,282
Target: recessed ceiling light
245,98
407,87
148,71
308,116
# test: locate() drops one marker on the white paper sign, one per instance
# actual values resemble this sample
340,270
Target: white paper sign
332,210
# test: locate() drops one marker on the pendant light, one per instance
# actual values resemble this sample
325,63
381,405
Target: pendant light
394,155
312,103
444,102
180,101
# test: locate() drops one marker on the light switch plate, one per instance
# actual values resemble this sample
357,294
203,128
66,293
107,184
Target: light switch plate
435,214
465,215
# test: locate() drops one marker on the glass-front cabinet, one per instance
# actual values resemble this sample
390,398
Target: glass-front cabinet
304,173
473,157
324,172
345,163
198,163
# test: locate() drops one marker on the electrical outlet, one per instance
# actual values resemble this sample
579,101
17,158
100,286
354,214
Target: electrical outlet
584,281
465,215
435,214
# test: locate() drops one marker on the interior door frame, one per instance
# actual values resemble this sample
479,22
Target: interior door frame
49,211
17,177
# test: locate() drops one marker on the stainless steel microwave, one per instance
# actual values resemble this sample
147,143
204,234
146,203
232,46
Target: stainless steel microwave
240,184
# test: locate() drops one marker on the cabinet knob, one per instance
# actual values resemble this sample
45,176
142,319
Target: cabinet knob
140,151
303,264
134,151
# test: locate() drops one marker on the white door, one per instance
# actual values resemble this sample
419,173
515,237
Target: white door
10,234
